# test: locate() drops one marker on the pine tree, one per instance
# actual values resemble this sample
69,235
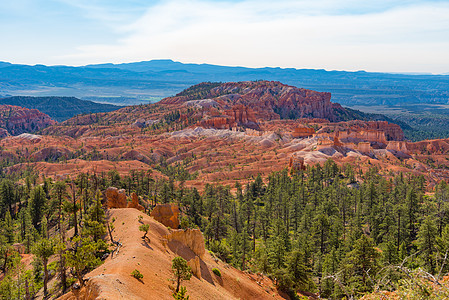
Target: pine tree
181,271
7,197
427,243
94,222
80,254
38,203
8,228
43,249
362,263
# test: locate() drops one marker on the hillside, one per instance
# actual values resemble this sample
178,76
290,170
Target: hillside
15,120
59,108
153,258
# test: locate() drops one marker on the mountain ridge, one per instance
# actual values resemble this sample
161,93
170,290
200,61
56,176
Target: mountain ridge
164,78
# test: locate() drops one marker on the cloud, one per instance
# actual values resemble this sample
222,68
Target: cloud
349,35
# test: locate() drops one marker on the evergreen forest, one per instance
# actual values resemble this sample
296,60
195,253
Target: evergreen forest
330,230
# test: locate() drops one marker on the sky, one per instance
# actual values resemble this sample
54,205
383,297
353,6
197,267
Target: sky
377,35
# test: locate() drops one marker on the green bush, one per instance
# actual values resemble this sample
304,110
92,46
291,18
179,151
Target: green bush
136,274
216,272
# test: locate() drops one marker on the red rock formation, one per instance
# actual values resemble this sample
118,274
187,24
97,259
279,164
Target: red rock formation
17,120
270,100
296,163
301,132
364,147
115,198
392,131
337,142
241,114
167,214
238,115
429,146
135,202
399,146
356,136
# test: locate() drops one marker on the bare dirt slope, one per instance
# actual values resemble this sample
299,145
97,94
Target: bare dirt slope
112,280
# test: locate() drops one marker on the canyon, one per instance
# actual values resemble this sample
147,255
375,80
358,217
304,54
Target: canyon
223,133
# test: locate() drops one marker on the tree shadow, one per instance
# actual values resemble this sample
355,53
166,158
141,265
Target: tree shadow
140,280
145,243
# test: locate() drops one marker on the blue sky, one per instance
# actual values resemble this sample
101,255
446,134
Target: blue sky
388,36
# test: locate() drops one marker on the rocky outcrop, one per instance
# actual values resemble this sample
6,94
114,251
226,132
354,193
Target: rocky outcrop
167,214
28,138
17,120
191,238
392,131
135,202
356,136
296,163
115,198
376,132
195,266
364,147
429,146
302,132
237,116
399,146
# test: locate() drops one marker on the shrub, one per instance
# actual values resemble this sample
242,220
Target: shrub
216,272
136,274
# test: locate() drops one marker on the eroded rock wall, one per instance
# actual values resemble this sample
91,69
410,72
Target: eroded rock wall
191,238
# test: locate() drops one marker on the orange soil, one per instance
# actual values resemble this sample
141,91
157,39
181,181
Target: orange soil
112,280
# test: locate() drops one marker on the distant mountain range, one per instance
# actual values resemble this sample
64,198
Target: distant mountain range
59,108
149,81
